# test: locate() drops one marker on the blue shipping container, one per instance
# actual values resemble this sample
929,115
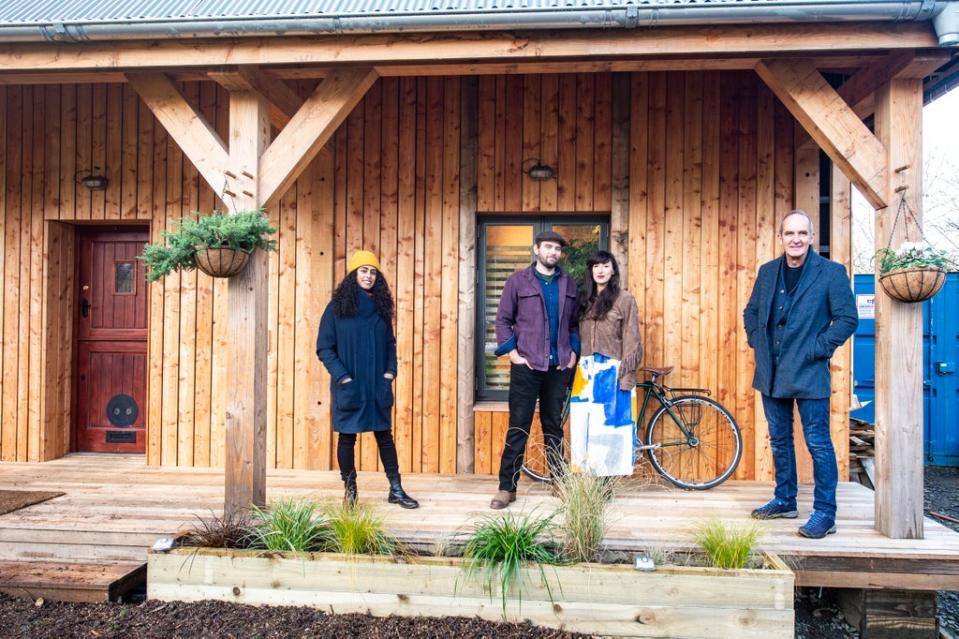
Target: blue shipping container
940,354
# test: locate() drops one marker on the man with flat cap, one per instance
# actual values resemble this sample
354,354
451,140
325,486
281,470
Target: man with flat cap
536,325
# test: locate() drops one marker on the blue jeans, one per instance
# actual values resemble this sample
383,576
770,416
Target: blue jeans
814,414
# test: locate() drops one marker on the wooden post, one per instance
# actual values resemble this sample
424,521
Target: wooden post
840,250
245,446
899,480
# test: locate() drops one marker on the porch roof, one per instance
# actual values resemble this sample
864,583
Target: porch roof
82,20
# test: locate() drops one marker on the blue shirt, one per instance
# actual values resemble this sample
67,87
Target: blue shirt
550,286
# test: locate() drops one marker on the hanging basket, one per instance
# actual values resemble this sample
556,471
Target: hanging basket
916,284
221,262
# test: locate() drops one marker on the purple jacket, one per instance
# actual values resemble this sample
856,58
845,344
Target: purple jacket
522,314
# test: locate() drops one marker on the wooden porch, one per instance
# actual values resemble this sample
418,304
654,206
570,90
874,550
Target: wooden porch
90,544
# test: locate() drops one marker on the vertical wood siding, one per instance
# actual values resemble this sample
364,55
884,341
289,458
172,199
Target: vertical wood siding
710,162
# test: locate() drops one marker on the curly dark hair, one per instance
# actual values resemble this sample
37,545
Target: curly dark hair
592,304
344,297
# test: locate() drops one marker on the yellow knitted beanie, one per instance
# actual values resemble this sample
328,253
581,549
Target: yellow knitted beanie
362,258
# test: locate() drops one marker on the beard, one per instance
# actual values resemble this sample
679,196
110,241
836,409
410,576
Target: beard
547,261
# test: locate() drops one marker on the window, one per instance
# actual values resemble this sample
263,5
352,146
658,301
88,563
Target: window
124,276
504,245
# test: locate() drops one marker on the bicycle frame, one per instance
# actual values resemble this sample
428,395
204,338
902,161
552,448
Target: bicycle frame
659,391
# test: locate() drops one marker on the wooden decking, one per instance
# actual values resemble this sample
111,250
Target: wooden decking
115,507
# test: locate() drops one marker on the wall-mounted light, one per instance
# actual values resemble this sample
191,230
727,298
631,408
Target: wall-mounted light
541,172
93,180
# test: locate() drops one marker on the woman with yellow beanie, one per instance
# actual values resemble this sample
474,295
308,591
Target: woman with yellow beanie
357,346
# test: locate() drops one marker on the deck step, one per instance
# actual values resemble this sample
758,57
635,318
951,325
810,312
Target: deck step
78,582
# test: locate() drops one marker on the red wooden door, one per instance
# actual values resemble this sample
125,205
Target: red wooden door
111,342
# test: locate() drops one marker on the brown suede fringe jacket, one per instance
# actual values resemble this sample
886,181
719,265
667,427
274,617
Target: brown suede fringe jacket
616,336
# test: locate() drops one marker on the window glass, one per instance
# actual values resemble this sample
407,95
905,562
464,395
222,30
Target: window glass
123,277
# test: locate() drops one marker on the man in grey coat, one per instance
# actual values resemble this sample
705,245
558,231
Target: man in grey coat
800,311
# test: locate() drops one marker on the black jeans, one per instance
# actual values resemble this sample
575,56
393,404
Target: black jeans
525,387
346,455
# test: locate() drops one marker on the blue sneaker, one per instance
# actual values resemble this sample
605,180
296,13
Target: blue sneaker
818,526
775,509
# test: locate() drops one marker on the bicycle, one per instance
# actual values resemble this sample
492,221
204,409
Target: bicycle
691,439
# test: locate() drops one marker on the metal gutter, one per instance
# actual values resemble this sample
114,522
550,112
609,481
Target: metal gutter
943,13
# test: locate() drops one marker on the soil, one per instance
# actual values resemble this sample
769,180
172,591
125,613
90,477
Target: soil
24,618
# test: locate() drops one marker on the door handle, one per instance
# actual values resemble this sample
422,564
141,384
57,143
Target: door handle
84,308
945,368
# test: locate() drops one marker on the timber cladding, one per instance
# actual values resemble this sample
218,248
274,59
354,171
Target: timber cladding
701,164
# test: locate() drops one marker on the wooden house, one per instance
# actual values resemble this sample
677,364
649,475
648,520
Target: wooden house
677,135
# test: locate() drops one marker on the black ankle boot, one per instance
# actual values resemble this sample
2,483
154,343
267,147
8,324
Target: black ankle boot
398,495
349,494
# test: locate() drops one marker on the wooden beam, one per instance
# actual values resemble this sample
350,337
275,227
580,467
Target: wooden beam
858,89
899,467
192,133
310,128
831,123
248,294
283,101
700,41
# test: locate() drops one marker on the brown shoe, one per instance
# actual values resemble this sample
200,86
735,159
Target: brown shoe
502,499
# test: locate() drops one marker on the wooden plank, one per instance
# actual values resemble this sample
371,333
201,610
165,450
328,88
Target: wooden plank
433,273
766,226
449,294
655,283
98,153
566,157
308,305
690,214
483,462
29,277
308,130
499,149
129,119
389,188
619,173
840,366
746,254
283,101
193,134
512,169
405,273
84,146
73,582
585,130
709,276
549,138
144,160
532,139
4,385
638,194
171,310
831,123
272,322
286,444
466,429
486,143
495,46
245,455
157,324
602,142
857,90
672,227
113,167
68,153
899,475
419,424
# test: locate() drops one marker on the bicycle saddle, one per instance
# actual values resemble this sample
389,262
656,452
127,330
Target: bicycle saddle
661,372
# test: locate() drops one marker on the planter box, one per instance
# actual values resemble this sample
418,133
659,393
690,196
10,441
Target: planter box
599,599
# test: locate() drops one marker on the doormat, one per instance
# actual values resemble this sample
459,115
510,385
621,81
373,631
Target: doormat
11,500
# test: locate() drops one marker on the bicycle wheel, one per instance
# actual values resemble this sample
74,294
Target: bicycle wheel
704,459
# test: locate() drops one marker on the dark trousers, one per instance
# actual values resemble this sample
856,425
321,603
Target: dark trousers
814,414
346,453
525,387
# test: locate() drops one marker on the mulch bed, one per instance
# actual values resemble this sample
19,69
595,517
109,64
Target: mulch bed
24,618
11,500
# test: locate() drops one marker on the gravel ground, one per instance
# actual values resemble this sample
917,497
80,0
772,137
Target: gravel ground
817,613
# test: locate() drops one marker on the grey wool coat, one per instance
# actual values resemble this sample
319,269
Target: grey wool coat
822,317
364,348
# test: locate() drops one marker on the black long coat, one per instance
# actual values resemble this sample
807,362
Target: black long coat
364,348
823,316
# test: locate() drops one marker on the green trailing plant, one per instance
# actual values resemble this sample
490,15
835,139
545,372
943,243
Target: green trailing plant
289,525
231,530
912,255
729,546
499,547
244,231
584,514
575,255
357,530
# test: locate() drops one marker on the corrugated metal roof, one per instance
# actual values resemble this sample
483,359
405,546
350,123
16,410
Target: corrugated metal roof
40,12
